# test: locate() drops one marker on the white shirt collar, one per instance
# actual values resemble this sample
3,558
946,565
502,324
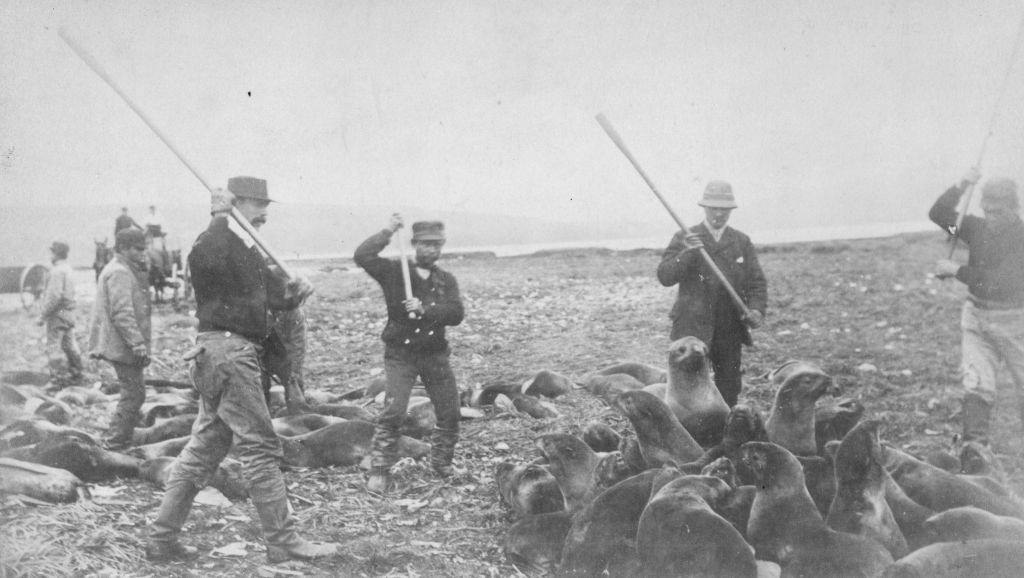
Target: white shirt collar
715,233
240,232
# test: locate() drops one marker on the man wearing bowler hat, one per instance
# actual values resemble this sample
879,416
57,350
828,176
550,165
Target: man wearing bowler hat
414,345
235,292
704,308
57,315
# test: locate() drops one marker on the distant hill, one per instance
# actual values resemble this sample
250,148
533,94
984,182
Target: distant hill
292,230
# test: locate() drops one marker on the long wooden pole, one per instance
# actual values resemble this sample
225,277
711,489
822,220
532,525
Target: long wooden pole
621,144
95,66
969,191
404,261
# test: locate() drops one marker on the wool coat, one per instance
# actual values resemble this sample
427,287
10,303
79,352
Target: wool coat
121,312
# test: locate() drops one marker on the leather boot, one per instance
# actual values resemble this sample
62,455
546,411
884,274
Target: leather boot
379,481
283,543
442,450
163,544
975,414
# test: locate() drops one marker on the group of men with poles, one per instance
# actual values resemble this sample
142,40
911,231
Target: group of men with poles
722,295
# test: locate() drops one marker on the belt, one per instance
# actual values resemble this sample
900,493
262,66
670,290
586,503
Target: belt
990,305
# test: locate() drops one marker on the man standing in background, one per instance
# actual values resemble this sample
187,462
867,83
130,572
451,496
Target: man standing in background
703,307
57,315
124,221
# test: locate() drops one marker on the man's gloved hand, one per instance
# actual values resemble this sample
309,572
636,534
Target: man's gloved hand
141,352
946,268
754,319
395,223
300,288
972,176
221,201
691,241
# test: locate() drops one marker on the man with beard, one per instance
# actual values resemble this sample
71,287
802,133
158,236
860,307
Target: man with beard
414,345
992,319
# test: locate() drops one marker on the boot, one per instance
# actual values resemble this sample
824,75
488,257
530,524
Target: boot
283,543
379,481
442,450
975,415
163,544
118,436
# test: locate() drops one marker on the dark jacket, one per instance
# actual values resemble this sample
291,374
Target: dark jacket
703,304
235,289
995,267
439,294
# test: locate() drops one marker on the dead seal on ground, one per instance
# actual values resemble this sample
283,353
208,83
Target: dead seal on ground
859,506
164,449
26,432
644,373
663,440
341,444
534,544
342,410
601,437
970,523
303,423
546,383
49,484
791,422
995,558
164,405
680,534
172,427
528,489
786,527
228,479
608,386
603,534
88,461
691,393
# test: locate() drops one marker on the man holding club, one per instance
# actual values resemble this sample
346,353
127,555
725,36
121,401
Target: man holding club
704,308
992,320
420,304
235,292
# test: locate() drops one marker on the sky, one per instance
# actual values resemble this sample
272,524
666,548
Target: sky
818,113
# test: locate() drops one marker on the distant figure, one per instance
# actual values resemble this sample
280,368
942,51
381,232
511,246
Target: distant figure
102,256
154,224
120,330
414,345
992,320
704,308
58,316
124,221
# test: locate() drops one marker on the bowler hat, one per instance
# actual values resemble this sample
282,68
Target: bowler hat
127,238
428,231
249,188
60,249
1001,190
718,194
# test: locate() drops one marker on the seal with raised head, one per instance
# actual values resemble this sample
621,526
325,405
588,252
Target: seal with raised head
859,506
680,534
791,422
691,393
573,464
744,424
663,440
528,488
786,527
601,437
832,421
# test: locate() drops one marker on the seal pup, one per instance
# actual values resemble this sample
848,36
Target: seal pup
644,373
534,544
227,479
691,393
970,523
53,485
573,464
608,386
996,558
546,383
601,437
791,422
172,427
528,489
167,448
859,506
939,490
786,527
341,444
744,424
832,421
680,534
87,461
603,534
663,440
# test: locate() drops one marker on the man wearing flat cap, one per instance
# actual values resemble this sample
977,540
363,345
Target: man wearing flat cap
235,292
414,345
57,314
120,330
992,319
703,307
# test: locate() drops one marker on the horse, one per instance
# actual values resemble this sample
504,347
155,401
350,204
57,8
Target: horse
103,256
164,270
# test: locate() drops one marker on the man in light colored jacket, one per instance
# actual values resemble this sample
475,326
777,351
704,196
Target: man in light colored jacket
58,316
120,330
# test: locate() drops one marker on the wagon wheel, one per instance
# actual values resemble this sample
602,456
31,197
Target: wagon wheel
33,281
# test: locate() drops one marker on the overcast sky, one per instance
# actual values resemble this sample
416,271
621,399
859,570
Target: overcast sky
835,112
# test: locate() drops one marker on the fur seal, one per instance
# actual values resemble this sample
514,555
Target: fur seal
303,423
167,448
909,515
744,424
791,422
735,507
172,427
533,407
939,490
680,534
341,444
603,534
601,437
691,393
534,544
228,479
970,523
27,432
642,372
573,464
663,440
82,396
528,489
859,506
54,485
163,405
342,410
832,421
547,383
996,558
608,386
88,461
786,527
